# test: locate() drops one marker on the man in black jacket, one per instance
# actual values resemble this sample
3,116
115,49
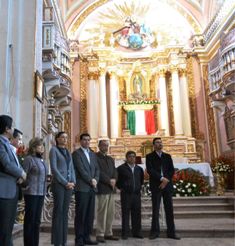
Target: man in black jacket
105,194
161,170
130,181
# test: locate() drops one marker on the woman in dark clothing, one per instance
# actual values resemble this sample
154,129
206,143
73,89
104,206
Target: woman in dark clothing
63,181
34,193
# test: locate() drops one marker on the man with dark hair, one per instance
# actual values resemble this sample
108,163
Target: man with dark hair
10,173
130,181
16,140
105,195
161,170
87,176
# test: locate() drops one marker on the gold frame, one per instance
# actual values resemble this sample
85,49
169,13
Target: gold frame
39,87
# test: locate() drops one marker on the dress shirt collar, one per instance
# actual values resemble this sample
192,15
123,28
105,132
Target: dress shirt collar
132,167
85,150
159,153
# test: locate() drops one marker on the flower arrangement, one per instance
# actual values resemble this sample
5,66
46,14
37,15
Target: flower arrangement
188,182
139,101
222,165
21,153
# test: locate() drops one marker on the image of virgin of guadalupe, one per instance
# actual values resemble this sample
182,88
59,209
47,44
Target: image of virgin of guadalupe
137,84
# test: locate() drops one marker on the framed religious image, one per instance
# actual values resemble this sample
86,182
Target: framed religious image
39,86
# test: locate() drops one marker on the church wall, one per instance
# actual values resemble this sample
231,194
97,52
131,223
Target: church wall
18,61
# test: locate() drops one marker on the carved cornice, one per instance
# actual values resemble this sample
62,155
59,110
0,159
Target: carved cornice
93,75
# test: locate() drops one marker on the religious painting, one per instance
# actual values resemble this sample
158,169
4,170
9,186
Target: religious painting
39,87
137,85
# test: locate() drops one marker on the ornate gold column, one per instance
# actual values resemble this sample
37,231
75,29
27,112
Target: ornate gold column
184,94
164,119
92,104
176,101
102,105
114,111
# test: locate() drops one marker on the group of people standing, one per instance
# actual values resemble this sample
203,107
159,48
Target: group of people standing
92,177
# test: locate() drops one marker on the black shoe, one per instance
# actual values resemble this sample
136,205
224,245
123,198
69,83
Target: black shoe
139,236
124,237
90,242
100,239
111,237
153,236
174,237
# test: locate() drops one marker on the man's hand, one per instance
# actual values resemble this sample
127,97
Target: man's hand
94,183
164,182
70,185
113,183
23,176
20,180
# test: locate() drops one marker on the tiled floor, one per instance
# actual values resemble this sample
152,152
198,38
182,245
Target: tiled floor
45,241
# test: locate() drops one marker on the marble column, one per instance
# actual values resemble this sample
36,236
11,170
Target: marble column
114,111
176,102
164,119
185,106
103,128
92,105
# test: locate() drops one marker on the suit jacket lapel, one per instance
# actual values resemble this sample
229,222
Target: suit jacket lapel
85,161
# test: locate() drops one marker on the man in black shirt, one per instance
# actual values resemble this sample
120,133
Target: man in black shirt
130,181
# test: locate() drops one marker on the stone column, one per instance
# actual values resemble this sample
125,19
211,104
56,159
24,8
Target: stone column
164,119
176,102
92,105
185,106
102,106
114,112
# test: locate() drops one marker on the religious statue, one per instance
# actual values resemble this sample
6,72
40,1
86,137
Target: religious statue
137,84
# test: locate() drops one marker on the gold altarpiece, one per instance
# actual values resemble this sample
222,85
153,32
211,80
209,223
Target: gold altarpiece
137,80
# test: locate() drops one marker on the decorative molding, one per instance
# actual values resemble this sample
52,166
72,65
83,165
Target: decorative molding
210,115
170,105
67,128
83,105
192,100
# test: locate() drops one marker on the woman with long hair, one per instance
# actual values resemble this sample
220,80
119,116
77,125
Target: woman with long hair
63,182
36,170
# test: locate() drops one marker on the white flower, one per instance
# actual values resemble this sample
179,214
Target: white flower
177,195
189,190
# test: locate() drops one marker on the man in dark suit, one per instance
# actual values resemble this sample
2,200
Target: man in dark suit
87,176
11,173
105,195
161,170
130,181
